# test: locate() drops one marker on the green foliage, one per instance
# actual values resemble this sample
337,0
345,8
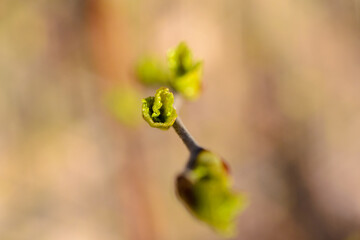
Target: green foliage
183,73
123,103
205,187
180,59
206,190
158,111
150,71
186,74
189,84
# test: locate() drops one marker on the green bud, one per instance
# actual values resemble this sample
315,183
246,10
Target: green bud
122,102
206,190
180,59
151,72
158,111
185,73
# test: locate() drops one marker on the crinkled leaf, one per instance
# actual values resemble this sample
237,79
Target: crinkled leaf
158,111
206,190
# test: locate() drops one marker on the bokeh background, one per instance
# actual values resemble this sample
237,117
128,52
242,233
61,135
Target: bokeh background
280,102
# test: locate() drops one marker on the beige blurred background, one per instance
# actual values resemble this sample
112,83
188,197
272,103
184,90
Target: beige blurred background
281,103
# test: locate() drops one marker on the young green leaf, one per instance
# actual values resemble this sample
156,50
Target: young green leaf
151,72
158,111
185,73
123,102
180,59
206,190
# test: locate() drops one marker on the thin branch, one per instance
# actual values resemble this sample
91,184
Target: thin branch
185,136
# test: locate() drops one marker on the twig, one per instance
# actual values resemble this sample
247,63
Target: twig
186,137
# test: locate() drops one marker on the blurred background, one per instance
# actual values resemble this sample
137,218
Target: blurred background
280,102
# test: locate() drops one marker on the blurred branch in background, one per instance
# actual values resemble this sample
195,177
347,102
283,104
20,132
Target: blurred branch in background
109,45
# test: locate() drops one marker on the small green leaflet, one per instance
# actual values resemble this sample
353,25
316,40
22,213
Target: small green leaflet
206,190
158,111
